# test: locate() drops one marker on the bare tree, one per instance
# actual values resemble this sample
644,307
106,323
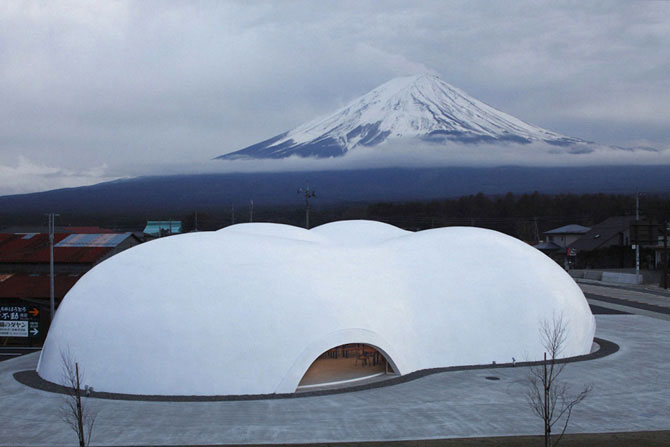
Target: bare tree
76,413
549,397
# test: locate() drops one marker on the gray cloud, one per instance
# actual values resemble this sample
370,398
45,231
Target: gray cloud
153,86
422,154
28,176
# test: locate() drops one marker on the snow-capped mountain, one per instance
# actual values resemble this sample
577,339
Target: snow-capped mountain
421,106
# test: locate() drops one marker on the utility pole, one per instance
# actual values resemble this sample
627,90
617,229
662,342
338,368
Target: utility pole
637,241
232,214
52,300
251,210
666,271
309,193
195,221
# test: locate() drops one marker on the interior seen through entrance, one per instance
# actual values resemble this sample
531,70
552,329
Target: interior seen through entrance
345,363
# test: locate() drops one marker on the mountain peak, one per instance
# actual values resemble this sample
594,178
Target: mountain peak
419,106
418,81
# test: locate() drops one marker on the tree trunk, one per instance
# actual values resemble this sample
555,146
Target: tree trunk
80,422
547,422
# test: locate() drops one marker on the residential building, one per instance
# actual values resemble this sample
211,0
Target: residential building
160,228
25,270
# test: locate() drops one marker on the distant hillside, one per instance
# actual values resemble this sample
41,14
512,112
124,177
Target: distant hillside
186,193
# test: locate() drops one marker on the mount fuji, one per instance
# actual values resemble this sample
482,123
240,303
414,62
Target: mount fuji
415,107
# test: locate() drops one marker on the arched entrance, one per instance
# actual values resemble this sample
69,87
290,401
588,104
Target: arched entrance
346,365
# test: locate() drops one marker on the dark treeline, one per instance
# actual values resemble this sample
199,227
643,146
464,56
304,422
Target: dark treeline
525,216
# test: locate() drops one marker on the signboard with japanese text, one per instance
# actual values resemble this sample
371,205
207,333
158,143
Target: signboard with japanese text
13,328
19,321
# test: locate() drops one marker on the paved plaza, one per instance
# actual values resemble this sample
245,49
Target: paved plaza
630,393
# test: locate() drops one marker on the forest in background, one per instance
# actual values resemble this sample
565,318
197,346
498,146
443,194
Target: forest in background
525,216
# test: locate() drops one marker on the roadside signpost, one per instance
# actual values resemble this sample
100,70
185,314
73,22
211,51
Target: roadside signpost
19,321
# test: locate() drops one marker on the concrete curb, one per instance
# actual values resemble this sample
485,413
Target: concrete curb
652,290
31,379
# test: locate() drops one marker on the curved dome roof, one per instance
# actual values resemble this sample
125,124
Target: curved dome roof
247,309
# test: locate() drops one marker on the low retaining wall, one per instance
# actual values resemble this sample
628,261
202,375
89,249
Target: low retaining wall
615,277
622,278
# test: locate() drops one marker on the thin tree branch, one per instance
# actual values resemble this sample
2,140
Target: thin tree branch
76,413
547,396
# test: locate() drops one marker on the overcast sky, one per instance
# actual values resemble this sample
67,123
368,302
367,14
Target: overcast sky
98,90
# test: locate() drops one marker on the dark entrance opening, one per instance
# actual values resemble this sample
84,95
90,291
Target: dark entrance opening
346,365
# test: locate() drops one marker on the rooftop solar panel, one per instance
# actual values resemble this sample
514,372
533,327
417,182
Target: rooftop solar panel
93,240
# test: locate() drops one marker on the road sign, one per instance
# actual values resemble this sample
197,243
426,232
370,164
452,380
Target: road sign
19,321
13,328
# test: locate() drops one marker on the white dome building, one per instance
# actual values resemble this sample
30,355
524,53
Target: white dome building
247,309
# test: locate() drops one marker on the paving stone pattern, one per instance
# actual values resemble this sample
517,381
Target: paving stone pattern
630,393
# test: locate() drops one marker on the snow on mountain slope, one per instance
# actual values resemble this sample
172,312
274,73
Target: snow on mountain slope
421,106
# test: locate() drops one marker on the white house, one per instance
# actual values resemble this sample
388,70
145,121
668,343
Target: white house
565,235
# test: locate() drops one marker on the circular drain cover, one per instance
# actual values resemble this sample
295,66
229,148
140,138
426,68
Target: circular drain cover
492,378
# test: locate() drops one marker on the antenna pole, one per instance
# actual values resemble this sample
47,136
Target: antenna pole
309,193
